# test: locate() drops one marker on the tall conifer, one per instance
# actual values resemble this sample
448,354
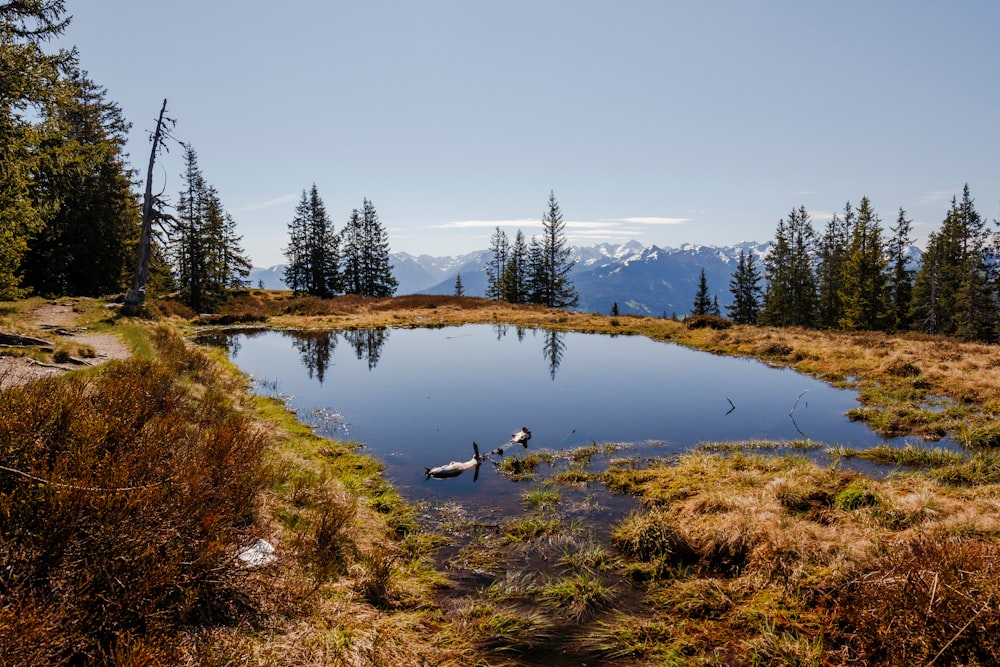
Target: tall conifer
313,250
746,291
790,296
863,285
499,249
900,285
554,287
702,301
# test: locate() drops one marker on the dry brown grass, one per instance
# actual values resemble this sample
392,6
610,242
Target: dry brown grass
789,563
172,468
744,560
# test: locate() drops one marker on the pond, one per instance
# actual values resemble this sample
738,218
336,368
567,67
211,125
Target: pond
419,398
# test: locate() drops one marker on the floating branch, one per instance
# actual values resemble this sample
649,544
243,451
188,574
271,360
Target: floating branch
456,468
791,413
797,399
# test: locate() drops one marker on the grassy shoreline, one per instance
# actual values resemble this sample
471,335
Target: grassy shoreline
731,558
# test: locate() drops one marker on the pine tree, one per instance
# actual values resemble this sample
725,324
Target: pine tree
234,263
552,276
863,285
499,249
514,280
900,287
352,244
702,301
27,80
777,295
831,255
295,252
313,250
205,249
365,261
379,279
323,250
82,188
537,275
790,296
746,291
954,293
188,246
976,303
459,289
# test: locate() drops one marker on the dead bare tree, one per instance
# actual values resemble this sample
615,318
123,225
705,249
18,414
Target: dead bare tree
151,214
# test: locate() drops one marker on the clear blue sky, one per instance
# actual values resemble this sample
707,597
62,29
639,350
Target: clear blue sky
663,121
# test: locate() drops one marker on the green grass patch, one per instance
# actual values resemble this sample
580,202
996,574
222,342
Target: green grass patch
759,445
521,468
909,455
577,596
528,528
543,497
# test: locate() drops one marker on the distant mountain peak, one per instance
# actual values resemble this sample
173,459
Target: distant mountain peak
648,280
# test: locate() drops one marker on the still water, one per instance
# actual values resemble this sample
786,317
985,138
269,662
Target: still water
418,398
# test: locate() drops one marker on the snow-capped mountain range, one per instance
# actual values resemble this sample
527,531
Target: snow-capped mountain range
646,280
643,280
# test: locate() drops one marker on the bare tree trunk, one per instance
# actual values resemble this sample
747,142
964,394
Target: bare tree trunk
136,296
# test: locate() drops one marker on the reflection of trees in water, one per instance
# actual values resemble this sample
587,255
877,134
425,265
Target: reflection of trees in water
553,349
501,330
229,339
229,342
367,344
316,348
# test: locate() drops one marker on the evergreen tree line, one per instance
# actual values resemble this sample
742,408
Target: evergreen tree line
535,271
69,215
856,276
202,245
323,263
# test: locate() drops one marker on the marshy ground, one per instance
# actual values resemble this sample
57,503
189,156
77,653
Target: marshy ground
732,554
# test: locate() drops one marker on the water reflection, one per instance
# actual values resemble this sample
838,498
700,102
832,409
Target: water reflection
422,400
316,348
553,345
367,344
553,350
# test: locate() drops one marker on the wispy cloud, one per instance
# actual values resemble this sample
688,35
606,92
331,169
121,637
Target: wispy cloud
604,233
582,224
821,216
474,224
284,199
652,220
937,197
605,223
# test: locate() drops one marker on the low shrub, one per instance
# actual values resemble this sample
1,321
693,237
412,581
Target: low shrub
925,600
708,322
125,498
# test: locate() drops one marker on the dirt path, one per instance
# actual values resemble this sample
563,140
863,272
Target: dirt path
57,323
